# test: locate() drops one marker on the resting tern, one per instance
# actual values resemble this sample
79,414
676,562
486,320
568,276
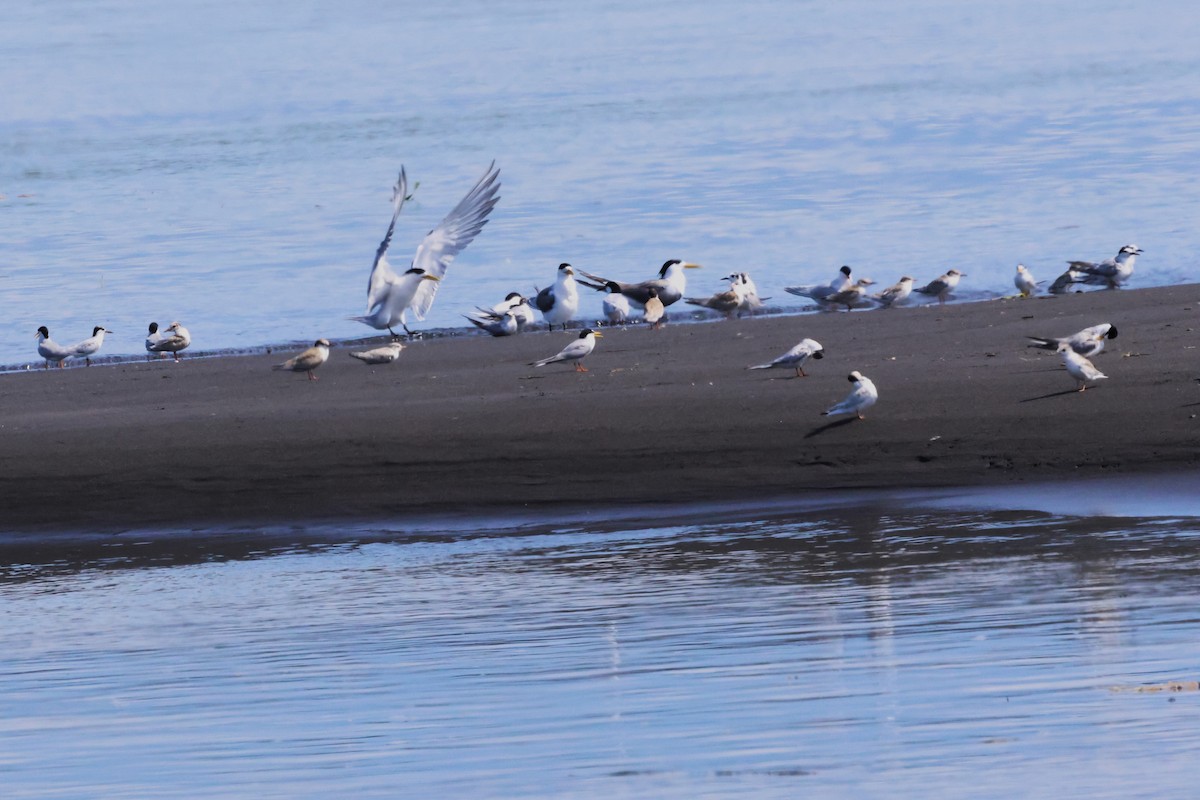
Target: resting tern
90,346
851,296
653,309
744,285
385,354
50,350
942,287
517,303
309,360
1110,273
1087,343
505,324
1025,282
896,293
390,296
560,302
1082,370
795,358
820,291
727,302
152,340
616,305
575,351
861,397
173,340
671,283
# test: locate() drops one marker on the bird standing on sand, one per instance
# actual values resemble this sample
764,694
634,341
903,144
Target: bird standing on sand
576,351
559,303
795,358
747,289
861,397
1024,282
153,337
941,287
1088,342
654,310
390,296
384,354
1111,273
1082,370
175,339
309,360
616,305
896,293
819,291
671,283
850,297
90,346
50,350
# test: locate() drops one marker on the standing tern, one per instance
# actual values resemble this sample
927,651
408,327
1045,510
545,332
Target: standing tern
795,358
744,285
152,339
942,286
1087,343
50,350
90,346
616,305
309,360
1110,273
1025,282
671,283
861,397
1082,370
820,291
173,340
390,296
850,297
896,293
576,351
559,303
653,309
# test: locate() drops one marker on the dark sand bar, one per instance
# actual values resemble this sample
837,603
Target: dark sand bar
462,424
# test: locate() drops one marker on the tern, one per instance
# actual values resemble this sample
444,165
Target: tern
1110,273
384,354
795,358
390,296
1087,343
671,283
941,287
90,346
861,397
896,293
309,360
1063,283
1082,370
850,297
505,324
653,309
50,350
1025,282
559,303
174,339
616,305
514,301
820,291
576,351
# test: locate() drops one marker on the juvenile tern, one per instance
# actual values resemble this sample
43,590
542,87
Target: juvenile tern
384,354
896,293
175,339
795,358
559,303
941,287
1087,343
575,351
1025,282
671,283
654,311
90,346
497,324
819,291
1110,273
1082,370
616,305
309,360
390,296
744,285
727,302
50,350
850,297
861,397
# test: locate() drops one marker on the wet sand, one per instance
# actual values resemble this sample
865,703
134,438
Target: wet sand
465,425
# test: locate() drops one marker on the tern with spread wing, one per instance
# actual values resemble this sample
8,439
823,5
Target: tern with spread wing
1087,343
671,283
1111,273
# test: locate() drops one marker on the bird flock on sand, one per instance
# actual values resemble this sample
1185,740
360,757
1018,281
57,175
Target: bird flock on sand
392,296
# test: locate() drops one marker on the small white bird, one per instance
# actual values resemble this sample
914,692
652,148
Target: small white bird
1111,273
1087,343
744,285
385,354
517,303
91,345
808,348
1063,283
861,397
941,287
896,293
390,296
1082,370
50,350
616,305
505,324
175,339
1025,282
576,351
653,310
559,303
819,291
309,360
850,297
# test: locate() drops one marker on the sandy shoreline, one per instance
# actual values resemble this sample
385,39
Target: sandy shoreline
463,423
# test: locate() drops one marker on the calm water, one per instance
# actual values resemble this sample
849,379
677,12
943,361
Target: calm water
229,164
874,651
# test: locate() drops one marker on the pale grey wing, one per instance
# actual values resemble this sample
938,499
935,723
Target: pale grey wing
381,272
439,247
576,349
